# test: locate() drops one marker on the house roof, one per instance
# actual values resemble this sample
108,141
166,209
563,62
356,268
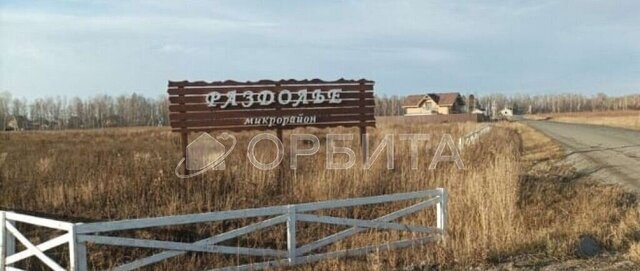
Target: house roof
413,100
448,98
444,99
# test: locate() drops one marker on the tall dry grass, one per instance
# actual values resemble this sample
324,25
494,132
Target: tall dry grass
624,119
496,207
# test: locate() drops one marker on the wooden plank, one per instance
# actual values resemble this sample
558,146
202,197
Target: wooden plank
179,219
38,221
55,242
38,253
10,240
3,240
217,106
221,114
240,89
306,82
361,223
291,234
355,230
342,203
206,108
202,98
169,245
364,140
350,123
208,241
241,121
77,253
265,128
441,210
291,87
184,143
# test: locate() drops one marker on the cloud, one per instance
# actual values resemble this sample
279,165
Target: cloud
82,48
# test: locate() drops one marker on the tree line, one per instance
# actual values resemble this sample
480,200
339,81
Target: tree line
529,104
54,113
101,111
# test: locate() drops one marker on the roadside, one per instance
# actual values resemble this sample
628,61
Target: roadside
602,154
585,225
621,119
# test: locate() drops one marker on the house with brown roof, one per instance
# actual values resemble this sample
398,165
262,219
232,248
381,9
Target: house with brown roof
17,123
434,104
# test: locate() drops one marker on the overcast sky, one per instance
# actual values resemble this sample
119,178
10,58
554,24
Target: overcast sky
86,48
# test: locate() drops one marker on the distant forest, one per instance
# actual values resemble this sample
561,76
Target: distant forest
54,113
525,104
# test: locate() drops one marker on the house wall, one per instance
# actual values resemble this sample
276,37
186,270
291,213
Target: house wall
416,111
435,109
506,112
429,104
444,110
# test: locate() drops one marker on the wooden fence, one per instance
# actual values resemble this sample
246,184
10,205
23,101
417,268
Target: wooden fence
77,235
431,119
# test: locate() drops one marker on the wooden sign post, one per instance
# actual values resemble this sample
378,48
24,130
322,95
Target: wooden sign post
263,105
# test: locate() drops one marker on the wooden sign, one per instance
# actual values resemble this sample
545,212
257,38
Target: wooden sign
285,104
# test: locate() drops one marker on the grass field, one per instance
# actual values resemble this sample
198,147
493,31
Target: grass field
624,119
510,200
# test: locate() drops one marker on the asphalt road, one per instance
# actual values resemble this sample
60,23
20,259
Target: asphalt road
607,154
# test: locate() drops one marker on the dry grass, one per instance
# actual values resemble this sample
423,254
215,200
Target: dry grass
623,119
499,208
634,252
562,207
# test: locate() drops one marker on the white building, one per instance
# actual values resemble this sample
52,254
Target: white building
506,112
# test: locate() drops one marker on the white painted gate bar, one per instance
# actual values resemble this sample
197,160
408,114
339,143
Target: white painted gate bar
473,137
78,235
3,242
